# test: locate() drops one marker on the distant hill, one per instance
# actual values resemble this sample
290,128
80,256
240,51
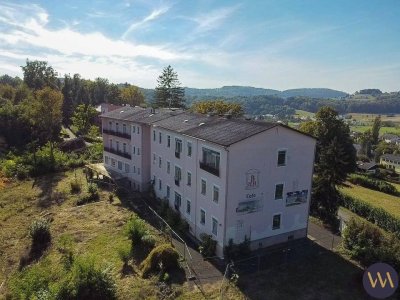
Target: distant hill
320,93
248,91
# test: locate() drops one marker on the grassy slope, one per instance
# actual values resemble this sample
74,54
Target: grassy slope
378,199
96,229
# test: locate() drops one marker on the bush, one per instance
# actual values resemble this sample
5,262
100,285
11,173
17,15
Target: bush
369,244
373,214
208,245
90,282
92,189
76,186
374,184
136,229
162,258
148,242
92,196
173,218
124,254
39,231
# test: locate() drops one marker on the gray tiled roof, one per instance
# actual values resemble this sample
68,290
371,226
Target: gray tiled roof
214,129
394,157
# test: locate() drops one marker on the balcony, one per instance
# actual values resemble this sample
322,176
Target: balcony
116,133
177,154
209,168
117,152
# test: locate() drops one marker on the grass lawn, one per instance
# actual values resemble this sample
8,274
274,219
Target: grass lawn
363,128
303,113
388,202
371,117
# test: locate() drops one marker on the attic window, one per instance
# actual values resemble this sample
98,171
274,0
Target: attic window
201,124
151,115
185,121
121,111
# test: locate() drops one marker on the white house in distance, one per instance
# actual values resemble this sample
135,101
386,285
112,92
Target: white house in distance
230,178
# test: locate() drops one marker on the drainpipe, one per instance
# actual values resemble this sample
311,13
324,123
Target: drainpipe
226,198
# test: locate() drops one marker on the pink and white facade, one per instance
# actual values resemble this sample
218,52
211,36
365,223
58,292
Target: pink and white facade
228,178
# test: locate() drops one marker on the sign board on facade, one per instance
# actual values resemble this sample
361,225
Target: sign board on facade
252,179
297,197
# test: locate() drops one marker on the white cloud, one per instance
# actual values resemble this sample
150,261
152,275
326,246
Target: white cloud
155,14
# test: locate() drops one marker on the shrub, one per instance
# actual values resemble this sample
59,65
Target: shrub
135,228
162,258
208,245
92,189
39,231
173,218
124,254
369,244
148,242
76,186
373,214
236,251
374,184
111,198
90,282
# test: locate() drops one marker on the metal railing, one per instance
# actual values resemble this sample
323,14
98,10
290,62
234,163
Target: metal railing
117,152
209,169
117,133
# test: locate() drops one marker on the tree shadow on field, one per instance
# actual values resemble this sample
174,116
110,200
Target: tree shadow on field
47,185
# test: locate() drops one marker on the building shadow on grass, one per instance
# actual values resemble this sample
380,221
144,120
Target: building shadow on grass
306,271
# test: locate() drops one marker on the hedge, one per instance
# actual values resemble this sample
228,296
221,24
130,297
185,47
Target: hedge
374,184
375,215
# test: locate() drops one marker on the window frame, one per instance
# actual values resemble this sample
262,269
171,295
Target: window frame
277,160
283,189
205,217
280,221
201,186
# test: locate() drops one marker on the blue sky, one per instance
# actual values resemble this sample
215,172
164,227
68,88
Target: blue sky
280,44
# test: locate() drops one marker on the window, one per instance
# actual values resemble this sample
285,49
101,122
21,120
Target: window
178,148
134,150
203,187
279,191
117,146
168,141
189,149
110,125
138,171
160,137
159,162
124,128
154,158
276,221
214,226
154,135
202,217
124,147
111,143
189,178
120,165
138,151
133,129
113,162
168,167
215,194
138,130
188,206
106,160
134,169
168,191
210,161
116,127
126,168
159,184
178,200
178,175
281,158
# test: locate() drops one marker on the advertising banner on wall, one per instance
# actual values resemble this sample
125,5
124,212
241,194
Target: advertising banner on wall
297,197
249,206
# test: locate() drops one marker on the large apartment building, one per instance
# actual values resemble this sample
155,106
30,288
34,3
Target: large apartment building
230,178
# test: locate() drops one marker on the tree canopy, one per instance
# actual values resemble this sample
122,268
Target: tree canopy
132,95
169,92
218,107
37,75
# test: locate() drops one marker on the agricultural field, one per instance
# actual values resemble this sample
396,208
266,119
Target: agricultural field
388,202
302,113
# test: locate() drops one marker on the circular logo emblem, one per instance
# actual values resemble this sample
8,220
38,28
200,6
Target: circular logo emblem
380,280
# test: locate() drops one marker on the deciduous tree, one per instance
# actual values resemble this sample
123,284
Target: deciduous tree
132,95
37,75
218,107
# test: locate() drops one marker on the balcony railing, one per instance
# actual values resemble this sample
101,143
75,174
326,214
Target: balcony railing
117,152
116,133
209,168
